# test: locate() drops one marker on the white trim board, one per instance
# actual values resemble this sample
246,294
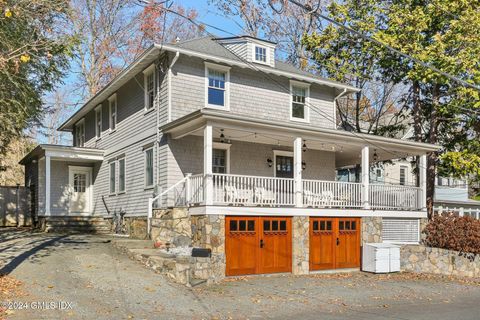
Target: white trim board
313,212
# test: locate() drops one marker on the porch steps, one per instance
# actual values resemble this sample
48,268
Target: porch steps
77,224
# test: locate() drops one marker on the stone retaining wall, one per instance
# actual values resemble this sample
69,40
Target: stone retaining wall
136,227
422,259
209,232
172,227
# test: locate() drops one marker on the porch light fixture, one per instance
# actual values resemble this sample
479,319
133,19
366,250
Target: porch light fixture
269,162
375,155
304,165
222,136
304,147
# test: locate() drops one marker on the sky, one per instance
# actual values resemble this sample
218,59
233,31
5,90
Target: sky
211,15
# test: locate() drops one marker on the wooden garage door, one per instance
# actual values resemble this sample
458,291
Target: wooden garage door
258,245
334,243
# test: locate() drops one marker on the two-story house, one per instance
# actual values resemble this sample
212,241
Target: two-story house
247,143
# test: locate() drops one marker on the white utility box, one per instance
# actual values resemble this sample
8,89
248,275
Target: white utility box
381,257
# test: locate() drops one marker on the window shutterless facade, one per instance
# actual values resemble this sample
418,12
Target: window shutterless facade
299,109
149,87
260,54
149,167
121,175
80,134
112,105
217,86
113,187
403,175
98,121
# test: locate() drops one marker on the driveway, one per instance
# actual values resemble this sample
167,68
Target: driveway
101,283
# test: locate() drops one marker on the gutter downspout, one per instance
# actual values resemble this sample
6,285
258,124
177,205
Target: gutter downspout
169,107
335,106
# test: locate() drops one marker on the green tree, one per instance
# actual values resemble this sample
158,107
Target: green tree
446,35
443,33
32,58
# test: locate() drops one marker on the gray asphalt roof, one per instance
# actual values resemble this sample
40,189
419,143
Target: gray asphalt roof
208,45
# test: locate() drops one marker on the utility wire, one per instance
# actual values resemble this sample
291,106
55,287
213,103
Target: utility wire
287,90
382,44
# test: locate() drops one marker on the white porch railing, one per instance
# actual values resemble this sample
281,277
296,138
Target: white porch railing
330,194
231,189
383,196
241,190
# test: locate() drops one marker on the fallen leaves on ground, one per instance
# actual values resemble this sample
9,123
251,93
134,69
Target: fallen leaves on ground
10,288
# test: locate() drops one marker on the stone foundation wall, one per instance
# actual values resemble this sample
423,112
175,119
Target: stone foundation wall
300,245
208,231
421,259
136,227
172,227
371,230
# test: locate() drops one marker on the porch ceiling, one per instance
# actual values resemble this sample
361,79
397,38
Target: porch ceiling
63,153
346,145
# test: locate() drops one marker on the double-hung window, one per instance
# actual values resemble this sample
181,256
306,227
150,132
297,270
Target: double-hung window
149,86
299,109
98,121
149,167
112,107
80,134
260,54
113,178
217,86
121,175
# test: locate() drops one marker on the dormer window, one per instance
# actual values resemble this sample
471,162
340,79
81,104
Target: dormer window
260,54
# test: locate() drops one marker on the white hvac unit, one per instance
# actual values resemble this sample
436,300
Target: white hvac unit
381,258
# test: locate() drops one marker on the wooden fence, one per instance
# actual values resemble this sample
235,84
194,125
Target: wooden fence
14,206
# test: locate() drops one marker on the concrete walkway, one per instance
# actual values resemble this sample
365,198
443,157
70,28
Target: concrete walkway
103,283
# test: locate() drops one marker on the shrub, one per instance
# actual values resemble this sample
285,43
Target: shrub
448,231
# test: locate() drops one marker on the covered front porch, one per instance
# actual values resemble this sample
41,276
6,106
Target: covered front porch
63,177
258,163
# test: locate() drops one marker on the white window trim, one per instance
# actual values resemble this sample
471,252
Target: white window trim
145,167
294,83
110,177
267,54
78,124
221,68
279,153
89,190
124,175
146,73
113,97
98,110
224,146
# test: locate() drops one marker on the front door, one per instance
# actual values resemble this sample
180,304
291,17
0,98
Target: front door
284,167
334,243
257,245
80,182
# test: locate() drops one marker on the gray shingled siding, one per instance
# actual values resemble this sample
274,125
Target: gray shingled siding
251,93
239,48
128,140
186,156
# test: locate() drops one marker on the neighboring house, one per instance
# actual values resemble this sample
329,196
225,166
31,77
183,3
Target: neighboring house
247,143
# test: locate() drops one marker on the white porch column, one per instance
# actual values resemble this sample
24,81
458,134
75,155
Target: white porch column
297,172
365,178
422,193
47,185
207,163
